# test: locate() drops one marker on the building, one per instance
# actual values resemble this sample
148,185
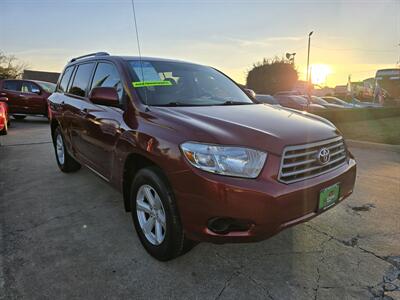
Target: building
41,75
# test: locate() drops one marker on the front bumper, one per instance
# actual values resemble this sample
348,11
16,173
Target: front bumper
266,204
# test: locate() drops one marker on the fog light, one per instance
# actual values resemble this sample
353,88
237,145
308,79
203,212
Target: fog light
221,225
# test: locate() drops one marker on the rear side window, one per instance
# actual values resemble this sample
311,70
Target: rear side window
65,79
106,75
12,85
81,80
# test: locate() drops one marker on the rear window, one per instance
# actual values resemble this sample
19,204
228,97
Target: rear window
65,79
81,80
12,85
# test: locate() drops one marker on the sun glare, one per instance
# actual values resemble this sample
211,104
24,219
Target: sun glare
319,73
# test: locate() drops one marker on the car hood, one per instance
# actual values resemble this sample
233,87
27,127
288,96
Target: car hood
257,126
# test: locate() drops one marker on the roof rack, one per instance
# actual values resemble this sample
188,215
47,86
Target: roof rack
89,55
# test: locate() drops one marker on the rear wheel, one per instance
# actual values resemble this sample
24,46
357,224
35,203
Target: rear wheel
65,162
19,117
155,215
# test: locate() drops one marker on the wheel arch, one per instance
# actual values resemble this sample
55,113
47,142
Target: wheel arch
133,163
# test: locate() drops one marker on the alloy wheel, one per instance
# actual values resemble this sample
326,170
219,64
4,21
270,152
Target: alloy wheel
60,149
151,214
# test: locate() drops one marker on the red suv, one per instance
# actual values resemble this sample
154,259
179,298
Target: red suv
26,97
195,158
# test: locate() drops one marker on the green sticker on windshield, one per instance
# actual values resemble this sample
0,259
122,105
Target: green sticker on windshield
151,83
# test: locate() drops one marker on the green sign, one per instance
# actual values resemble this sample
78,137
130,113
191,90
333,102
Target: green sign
138,84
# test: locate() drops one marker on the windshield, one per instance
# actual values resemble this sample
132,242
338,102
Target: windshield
47,86
164,83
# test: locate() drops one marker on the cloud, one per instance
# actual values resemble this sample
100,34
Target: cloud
265,42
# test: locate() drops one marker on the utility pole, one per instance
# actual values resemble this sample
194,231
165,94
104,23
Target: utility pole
398,63
308,66
308,54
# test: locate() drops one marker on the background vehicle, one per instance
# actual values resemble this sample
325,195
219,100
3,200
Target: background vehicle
353,103
297,102
4,118
362,89
186,145
267,99
364,103
26,97
389,80
322,102
335,100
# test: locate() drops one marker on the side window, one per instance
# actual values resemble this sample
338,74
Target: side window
12,85
29,87
65,79
106,75
81,80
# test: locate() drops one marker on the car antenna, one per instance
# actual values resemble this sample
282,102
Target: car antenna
140,54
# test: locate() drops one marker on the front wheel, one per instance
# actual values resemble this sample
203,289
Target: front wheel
65,162
155,215
4,131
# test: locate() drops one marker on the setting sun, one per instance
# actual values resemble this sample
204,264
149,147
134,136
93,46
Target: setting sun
319,73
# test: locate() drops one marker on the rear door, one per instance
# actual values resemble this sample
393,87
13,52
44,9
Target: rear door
16,101
33,98
76,107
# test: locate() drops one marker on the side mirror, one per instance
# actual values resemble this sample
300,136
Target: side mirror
250,93
3,99
107,96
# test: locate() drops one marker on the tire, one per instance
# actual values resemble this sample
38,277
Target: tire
170,242
19,117
65,161
5,129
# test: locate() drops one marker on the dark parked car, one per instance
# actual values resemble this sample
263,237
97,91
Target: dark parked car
268,99
26,97
297,102
326,104
337,101
195,158
4,118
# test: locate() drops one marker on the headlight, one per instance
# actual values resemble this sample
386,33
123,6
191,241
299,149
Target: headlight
225,160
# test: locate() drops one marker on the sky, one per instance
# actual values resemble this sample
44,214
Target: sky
350,37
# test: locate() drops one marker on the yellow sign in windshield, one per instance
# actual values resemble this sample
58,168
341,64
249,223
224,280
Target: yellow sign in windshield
138,84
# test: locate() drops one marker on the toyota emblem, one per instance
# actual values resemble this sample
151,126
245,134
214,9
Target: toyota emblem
324,156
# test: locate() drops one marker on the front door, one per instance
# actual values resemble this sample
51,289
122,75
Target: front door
100,125
33,99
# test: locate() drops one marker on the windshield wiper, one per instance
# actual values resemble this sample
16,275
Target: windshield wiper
176,103
229,102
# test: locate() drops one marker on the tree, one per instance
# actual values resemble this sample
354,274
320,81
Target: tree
271,76
10,66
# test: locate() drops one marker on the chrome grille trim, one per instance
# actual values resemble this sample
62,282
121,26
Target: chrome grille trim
299,162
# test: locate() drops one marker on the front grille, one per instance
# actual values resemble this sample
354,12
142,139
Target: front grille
302,162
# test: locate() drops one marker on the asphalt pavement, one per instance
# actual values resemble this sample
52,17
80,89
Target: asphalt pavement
67,236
